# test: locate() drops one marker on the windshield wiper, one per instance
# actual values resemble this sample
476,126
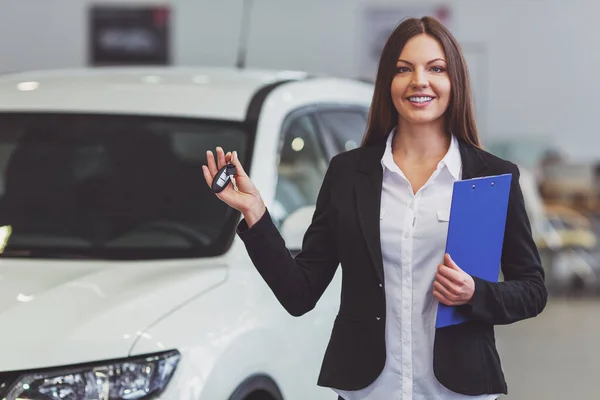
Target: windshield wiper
45,253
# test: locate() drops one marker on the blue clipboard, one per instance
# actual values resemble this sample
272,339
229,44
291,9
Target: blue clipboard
476,232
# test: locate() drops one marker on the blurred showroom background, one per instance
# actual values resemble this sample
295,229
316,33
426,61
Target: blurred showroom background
535,70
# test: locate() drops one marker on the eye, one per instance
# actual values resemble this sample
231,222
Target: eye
437,70
401,70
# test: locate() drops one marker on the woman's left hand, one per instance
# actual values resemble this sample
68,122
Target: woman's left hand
452,285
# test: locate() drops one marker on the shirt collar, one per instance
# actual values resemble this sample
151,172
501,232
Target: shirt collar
387,160
452,159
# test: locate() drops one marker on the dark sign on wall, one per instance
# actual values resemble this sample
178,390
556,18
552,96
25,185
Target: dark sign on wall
129,35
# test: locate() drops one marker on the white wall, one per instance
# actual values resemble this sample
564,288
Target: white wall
540,65
41,34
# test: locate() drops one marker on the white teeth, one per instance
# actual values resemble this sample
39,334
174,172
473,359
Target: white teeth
420,99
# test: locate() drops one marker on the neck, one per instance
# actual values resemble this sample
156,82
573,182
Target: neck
421,141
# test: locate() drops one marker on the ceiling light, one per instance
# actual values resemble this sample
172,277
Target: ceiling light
297,144
28,86
152,79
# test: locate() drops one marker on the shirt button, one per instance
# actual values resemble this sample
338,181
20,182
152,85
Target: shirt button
381,285
377,318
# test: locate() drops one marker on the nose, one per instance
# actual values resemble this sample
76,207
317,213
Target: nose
419,80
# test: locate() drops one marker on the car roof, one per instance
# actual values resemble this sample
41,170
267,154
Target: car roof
205,92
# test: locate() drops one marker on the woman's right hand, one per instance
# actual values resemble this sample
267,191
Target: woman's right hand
246,198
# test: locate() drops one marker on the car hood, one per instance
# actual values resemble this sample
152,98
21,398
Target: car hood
55,313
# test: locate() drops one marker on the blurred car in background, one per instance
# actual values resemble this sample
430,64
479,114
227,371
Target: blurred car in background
565,239
123,277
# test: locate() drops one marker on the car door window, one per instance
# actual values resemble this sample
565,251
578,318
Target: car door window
344,127
301,169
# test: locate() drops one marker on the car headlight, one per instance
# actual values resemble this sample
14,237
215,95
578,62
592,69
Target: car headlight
127,379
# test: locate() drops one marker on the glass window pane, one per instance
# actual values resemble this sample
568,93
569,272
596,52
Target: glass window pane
301,169
113,186
344,126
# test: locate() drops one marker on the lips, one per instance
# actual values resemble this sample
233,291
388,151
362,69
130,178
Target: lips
420,100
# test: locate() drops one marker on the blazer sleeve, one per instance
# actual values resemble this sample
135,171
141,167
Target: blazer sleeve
523,293
298,282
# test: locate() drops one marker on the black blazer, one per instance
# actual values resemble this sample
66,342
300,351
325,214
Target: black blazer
345,229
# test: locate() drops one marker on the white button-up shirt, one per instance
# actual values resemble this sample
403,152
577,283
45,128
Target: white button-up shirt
413,241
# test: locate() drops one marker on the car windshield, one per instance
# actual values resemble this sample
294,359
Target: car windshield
110,186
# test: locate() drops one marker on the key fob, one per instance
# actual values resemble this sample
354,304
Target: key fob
223,178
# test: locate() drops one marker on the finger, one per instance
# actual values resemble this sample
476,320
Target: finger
212,166
220,157
228,157
452,275
207,176
446,283
441,298
450,262
438,286
238,166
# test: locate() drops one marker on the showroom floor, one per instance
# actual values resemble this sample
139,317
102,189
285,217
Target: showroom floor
556,355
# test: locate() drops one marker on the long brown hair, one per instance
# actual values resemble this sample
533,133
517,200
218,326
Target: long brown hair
459,116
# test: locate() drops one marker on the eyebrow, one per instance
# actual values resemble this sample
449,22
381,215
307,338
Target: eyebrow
432,61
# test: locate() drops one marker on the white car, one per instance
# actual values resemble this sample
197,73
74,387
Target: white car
123,277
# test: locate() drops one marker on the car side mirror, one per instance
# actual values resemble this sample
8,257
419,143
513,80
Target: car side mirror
294,227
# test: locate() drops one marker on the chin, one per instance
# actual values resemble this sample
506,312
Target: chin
422,119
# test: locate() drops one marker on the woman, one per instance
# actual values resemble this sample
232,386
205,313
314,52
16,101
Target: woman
382,213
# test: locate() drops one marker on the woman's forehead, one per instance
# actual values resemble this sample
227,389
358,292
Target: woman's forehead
422,49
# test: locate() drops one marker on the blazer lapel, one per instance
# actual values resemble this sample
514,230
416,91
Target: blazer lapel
473,165
368,200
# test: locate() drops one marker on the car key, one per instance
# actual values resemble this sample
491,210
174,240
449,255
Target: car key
223,178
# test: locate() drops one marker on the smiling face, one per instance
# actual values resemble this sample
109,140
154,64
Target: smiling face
421,86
